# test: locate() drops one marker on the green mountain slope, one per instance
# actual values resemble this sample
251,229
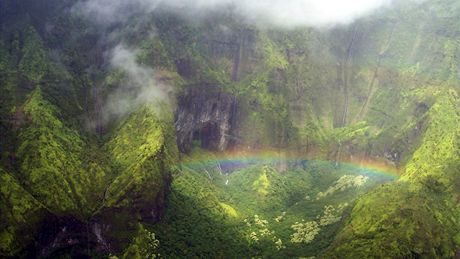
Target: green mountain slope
419,214
93,114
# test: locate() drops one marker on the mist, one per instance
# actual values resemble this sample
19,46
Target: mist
139,86
313,13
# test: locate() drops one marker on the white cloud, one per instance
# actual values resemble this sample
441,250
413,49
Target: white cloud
139,88
272,12
310,12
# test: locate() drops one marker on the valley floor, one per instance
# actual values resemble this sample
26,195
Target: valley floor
236,207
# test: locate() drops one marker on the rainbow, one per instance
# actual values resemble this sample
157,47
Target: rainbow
238,159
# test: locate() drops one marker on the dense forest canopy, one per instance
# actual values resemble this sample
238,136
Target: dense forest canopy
229,129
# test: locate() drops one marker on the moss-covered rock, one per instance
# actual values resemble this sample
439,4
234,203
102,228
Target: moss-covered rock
303,89
68,176
50,158
34,63
144,245
418,215
21,215
143,150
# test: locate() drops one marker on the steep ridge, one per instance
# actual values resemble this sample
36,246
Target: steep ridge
72,198
418,215
84,174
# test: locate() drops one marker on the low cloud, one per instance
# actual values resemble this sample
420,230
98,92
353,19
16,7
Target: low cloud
139,86
315,13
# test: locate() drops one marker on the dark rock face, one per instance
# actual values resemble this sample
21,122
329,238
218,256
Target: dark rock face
107,232
72,236
204,115
60,235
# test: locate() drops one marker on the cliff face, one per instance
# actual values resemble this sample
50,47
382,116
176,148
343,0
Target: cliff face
377,88
418,216
72,189
296,88
204,115
74,197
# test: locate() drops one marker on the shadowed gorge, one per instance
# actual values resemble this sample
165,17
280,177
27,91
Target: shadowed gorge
229,129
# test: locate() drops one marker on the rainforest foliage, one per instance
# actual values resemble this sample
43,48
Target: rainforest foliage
89,164
257,211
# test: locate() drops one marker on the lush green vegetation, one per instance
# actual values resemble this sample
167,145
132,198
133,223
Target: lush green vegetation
256,211
418,215
78,179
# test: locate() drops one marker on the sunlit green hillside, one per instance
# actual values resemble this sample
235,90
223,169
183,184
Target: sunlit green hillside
229,129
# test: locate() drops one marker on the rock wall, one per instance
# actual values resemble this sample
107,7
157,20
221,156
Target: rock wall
204,115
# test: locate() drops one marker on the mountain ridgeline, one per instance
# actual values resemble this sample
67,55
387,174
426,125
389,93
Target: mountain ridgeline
163,135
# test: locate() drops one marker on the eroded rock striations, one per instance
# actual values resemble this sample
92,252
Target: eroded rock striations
204,115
